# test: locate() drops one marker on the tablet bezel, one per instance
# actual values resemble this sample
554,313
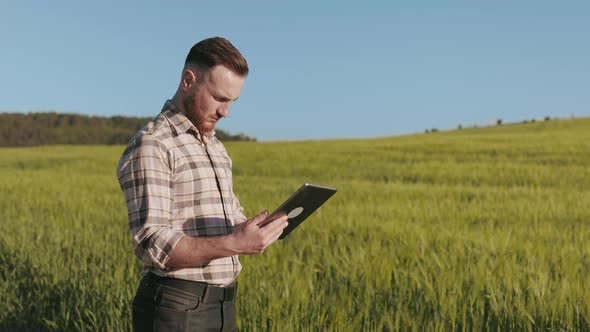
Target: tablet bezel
309,197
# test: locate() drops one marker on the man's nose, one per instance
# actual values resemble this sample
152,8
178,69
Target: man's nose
223,111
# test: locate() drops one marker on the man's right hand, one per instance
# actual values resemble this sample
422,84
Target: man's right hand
251,237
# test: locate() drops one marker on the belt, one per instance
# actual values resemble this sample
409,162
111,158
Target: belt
207,293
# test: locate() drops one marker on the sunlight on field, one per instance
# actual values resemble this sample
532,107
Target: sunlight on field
475,229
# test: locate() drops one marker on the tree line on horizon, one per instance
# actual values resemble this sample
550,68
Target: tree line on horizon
47,128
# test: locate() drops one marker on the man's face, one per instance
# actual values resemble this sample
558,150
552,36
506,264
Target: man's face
209,97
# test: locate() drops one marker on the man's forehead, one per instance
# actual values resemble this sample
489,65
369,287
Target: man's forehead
224,81
223,72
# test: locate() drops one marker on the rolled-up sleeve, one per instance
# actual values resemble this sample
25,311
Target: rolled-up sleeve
145,177
238,211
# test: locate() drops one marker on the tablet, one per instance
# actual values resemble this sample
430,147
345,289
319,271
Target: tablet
308,198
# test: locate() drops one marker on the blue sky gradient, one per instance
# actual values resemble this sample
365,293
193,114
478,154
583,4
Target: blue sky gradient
319,69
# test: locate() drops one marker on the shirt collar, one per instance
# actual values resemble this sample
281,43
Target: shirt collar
180,123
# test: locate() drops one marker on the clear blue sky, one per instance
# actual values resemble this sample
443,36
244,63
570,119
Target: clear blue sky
319,69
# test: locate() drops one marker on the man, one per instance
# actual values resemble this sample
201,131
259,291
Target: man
188,226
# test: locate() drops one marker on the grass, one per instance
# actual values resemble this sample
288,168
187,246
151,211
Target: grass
474,229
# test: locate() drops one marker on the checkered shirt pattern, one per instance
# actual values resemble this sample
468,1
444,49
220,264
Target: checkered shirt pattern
176,184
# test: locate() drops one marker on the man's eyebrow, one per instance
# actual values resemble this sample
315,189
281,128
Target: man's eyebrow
225,98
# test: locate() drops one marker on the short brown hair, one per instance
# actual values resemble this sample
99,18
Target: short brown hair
217,51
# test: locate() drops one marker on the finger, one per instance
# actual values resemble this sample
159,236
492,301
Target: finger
279,214
274,223
275,235
279,221
274,231
259,218
272,218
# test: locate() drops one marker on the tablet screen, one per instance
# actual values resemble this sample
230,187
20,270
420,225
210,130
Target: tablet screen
308,198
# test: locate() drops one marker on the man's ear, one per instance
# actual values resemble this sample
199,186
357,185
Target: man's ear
189,78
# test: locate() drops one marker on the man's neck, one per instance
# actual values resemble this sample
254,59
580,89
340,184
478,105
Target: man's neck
177,101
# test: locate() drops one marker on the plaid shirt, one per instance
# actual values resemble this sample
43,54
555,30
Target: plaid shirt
174,185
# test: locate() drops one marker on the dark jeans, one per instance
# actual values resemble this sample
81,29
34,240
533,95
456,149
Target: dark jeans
163,304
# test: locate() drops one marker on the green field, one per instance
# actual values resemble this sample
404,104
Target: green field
473,229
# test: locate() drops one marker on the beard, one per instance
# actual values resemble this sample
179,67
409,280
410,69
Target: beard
188,104
196,111
191,110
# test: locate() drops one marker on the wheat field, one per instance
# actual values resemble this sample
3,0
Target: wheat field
472,229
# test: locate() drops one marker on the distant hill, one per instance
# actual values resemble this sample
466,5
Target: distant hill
31,129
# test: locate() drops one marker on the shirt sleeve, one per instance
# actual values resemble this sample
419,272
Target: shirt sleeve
145,177
238,210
